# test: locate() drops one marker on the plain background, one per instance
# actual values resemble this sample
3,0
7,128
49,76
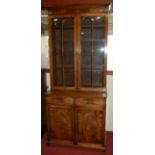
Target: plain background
20,76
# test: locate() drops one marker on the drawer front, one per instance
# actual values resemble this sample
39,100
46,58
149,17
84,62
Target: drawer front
65,100
89,102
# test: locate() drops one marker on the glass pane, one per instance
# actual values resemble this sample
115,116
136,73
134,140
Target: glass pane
63,51
58,80
68,23
68,61
98,33
98,47
57,46
98,21
85,21
86,34
57,60
86,78
68,34
68,77
92,51
86,48
68,48
98,62
97,78
86,61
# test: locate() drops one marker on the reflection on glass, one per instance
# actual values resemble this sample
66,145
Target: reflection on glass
98,17
55,20
102,49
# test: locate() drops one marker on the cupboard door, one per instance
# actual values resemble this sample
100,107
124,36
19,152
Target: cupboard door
89,121
92,51
60,120
63,51
61,123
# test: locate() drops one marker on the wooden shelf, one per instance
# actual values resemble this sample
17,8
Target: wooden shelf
92,68
64,66
93,54
63,27
94,26
92,40
67,53
65,40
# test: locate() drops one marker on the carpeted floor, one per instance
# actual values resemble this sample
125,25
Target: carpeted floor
65,150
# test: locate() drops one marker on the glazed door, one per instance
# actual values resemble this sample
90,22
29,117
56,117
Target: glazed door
92,51
62,36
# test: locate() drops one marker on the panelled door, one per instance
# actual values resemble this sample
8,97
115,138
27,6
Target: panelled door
90,120
61,118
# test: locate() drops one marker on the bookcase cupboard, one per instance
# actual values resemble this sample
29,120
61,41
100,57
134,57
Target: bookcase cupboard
76,104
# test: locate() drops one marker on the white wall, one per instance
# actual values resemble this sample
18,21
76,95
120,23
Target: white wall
109,106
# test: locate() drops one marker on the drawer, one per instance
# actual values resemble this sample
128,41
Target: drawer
64,100
90,102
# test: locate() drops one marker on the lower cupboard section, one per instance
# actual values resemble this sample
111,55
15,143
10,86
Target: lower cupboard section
76,121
